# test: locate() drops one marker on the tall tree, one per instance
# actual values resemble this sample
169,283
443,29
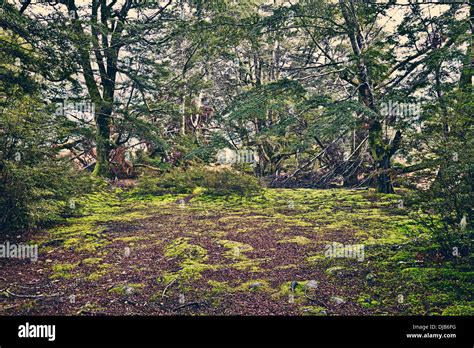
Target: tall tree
106,37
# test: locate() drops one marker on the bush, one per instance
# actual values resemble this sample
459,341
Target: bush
176,181
196,179
227,182
35,185
447,203
36,196
447,208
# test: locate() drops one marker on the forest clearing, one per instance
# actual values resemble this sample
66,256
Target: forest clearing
270,255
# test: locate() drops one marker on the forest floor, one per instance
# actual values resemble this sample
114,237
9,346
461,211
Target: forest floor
199,255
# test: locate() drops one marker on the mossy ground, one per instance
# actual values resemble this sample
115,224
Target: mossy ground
127,254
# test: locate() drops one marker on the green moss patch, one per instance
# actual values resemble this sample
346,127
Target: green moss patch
127,289
300,240
63,270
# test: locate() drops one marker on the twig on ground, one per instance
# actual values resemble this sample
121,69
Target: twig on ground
167,286
7,291
90,313
187,305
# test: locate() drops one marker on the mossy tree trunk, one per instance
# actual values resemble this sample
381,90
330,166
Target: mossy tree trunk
381,151
102,120
105,47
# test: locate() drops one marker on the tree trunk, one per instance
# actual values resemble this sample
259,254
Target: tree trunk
380,151
102,165
384,181
352,179
382,154
106,58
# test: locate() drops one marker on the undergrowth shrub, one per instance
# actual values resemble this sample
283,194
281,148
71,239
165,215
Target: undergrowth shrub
36,185
447,199
37,196
199,179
